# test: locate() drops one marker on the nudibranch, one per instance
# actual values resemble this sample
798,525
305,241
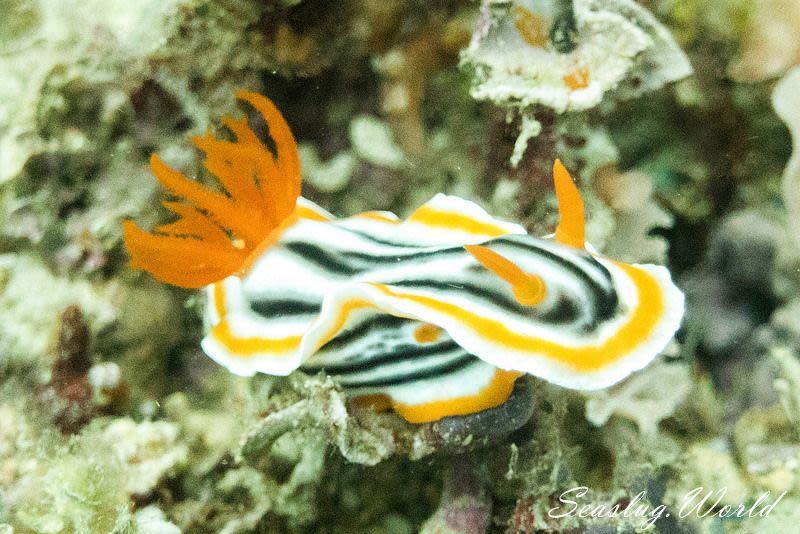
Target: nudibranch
435,315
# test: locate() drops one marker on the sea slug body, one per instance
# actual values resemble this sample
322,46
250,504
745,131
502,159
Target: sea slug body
439,313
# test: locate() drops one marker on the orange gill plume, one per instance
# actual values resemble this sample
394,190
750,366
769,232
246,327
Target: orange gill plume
217,231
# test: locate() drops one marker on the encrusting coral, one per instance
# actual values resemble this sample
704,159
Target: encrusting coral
567,55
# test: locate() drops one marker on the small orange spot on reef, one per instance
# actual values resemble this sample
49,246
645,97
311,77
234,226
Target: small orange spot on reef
427,333
578,79
532,27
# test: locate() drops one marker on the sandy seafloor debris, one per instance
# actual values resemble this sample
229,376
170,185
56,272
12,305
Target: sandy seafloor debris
680,119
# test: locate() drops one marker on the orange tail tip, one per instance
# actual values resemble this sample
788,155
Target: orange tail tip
215,232
571,230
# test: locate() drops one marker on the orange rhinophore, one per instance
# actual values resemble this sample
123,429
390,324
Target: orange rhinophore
529,289
571,227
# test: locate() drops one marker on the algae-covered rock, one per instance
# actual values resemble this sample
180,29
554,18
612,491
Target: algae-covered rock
32,299
43,41
148,451
646,398
70,488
